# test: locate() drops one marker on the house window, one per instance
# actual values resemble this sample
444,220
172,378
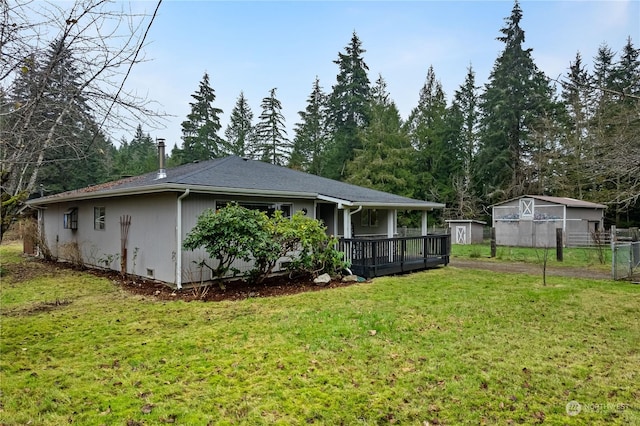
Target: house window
526,208
98,218
70,219
268,208
369,217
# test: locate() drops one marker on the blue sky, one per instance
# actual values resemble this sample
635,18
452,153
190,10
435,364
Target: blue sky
255,46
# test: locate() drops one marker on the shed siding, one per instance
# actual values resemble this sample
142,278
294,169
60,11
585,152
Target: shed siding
540,230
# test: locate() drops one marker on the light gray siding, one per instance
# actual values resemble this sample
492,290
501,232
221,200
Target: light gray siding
536,227
194,205
371,222
151,236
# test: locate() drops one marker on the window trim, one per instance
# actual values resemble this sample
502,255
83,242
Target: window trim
526,208
99,218
70,219
369,218
264,206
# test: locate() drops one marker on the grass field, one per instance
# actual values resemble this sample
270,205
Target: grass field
588,257
447,346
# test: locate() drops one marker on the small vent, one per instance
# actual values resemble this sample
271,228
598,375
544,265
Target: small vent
150,273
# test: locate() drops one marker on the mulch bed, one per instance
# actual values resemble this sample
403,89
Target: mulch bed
233,290
281,285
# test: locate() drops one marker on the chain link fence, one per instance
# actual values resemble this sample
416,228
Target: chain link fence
625,260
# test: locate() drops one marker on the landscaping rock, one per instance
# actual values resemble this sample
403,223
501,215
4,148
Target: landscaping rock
350,279
323,279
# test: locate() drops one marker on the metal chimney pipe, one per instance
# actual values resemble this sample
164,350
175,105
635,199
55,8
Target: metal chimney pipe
162,172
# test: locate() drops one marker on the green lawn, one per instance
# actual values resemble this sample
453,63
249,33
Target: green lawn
591,257
447,346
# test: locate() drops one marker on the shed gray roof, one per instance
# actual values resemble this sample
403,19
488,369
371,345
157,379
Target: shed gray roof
565,201
235,175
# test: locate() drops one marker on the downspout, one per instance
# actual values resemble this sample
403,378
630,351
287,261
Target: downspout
351,213
179,240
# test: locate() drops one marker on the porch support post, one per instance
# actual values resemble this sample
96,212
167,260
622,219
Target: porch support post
347,222
391,222
424,228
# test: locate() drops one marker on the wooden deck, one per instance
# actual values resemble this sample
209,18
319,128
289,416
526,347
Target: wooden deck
374,257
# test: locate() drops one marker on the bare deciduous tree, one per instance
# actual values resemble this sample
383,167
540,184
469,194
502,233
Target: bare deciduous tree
105,39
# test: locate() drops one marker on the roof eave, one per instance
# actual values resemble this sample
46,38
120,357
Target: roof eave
408,206
166,187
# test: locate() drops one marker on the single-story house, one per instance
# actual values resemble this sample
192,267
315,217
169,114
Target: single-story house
137,224
532,220
466,231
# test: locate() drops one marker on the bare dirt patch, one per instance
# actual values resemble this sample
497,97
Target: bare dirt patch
37,308
29,269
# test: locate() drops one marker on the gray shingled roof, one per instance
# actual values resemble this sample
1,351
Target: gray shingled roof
569,202
565,201
244,176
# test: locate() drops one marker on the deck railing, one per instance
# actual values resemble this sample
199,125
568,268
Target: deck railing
373,257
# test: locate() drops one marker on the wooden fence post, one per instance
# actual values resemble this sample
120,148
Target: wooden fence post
493,242
559,245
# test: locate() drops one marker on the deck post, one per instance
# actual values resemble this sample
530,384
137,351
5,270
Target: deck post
348,232
391,221
424,227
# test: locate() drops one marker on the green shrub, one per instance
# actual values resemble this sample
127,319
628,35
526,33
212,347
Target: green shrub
230,233
234,232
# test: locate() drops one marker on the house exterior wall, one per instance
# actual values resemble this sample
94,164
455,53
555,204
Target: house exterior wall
538,227
371,222
194,205
153,244
151,236
327,214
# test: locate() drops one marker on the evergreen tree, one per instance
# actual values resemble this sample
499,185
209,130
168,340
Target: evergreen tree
348,108
76,153
577,97
515,99
240,131
311,133
615,166
462,140
272,144
200,129
136,157
426,127
385,160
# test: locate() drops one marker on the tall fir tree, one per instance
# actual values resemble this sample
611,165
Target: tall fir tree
272,145
385,160
615,166
136,157
200,129
76,152
426,127
348,108
240,133
578,100
311,133
515,99
462,139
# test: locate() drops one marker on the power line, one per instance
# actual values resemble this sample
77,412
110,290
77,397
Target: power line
133,61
